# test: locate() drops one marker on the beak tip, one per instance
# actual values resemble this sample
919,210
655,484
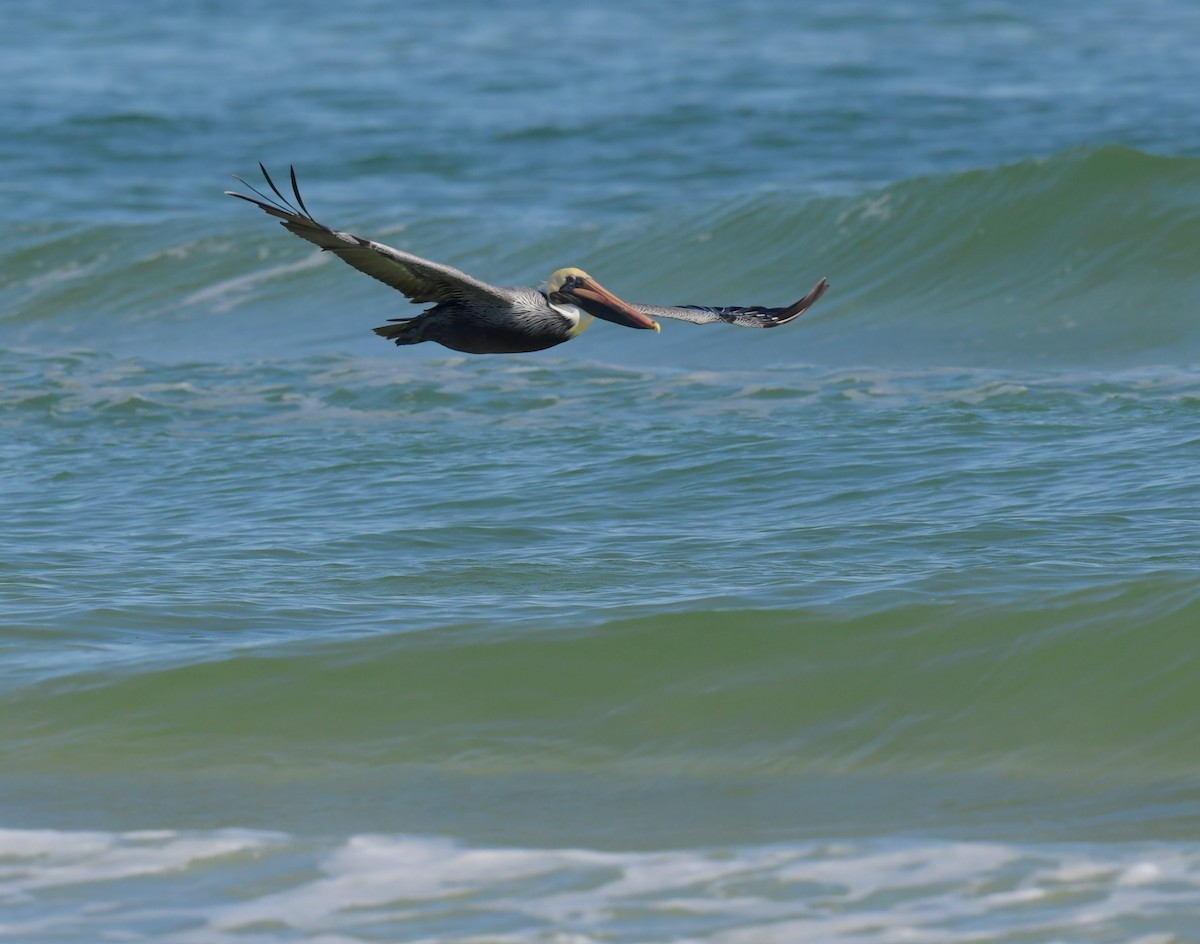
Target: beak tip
657,327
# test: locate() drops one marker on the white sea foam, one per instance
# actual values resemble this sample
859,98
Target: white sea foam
32,860
241,885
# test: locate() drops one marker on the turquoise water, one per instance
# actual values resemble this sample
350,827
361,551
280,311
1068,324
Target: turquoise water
880,626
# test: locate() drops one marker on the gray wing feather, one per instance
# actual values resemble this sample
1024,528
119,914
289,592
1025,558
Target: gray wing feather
749,316
420,279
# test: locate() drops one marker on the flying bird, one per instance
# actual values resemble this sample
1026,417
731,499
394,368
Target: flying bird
478,318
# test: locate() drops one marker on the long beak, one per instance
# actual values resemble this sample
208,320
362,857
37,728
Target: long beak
599,301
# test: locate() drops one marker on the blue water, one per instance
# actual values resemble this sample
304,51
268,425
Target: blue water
878,626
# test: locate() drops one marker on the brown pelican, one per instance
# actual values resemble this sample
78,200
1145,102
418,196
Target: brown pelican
478,318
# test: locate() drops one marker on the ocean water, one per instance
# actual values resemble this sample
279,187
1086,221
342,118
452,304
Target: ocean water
882,626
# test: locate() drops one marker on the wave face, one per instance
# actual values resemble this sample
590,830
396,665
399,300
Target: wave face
1081,259
1065,709
877,627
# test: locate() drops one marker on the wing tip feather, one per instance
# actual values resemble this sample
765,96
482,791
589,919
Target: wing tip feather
798,308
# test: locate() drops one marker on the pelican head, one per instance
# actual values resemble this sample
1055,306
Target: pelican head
575,287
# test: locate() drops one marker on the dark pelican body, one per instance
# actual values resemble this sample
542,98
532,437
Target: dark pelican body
478,318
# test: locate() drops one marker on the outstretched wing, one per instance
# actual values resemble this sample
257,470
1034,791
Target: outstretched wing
752,316
419,279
